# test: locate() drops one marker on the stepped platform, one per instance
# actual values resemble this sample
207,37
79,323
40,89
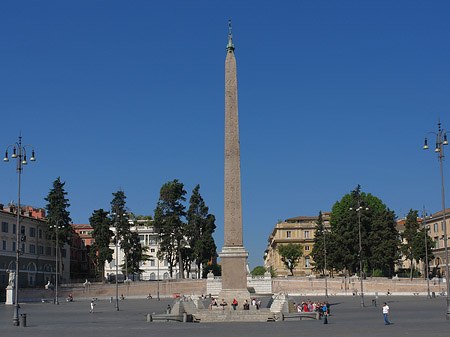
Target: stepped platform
209,316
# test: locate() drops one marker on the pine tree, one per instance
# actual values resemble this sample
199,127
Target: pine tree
419,247
317,252
199,230
102,235
136,254
57,213
408,236
385,253
169,213
122,225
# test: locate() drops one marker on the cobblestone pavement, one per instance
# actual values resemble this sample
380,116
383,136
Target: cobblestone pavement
410,316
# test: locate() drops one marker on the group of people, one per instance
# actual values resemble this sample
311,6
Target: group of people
234,304
322,308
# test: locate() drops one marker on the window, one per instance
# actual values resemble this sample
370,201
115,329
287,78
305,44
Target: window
4,227
152,250
307,262
436,227
307,248
436,242
48,251
40,233
153,240
165,263
288,234
14,246
442,225
306,234
14,228
152,276
23,248
32,232
152,263
63,252
41,250
3,244
32,249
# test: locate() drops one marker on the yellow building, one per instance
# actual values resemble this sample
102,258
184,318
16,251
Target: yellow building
436,232
298,230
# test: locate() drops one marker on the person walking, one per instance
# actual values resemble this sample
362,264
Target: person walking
91,310
325,313
386,313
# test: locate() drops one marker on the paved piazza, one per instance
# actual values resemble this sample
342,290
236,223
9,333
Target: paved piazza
411,316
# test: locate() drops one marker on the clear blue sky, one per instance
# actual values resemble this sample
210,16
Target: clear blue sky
130,94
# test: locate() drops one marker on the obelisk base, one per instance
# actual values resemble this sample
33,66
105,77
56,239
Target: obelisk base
234,275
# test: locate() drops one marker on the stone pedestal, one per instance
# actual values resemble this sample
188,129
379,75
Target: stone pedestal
234,276
10,292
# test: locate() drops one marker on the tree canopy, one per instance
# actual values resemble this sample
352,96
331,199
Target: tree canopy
185,237
102,235
169,214
290,255
413,246
199,230
377,223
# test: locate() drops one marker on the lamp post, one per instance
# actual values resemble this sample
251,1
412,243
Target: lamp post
358,210
116,306
158,242
441,141
56,226
116,240
19,153
426,228
325,261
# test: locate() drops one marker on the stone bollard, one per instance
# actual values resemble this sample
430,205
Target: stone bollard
184,317
149,318
23,320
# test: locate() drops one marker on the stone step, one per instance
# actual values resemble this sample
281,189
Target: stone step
233,316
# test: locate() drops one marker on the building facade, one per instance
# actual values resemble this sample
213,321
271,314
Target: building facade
37,260
153,268
298,230
81,265
436,232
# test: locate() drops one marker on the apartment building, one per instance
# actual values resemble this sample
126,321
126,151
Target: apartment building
298,230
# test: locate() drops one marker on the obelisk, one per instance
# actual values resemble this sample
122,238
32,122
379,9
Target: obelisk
233,255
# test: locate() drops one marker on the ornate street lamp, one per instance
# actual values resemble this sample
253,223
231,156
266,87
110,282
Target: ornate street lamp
56,226
358,210
426,228
116,239
441,141
325,260
20,154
